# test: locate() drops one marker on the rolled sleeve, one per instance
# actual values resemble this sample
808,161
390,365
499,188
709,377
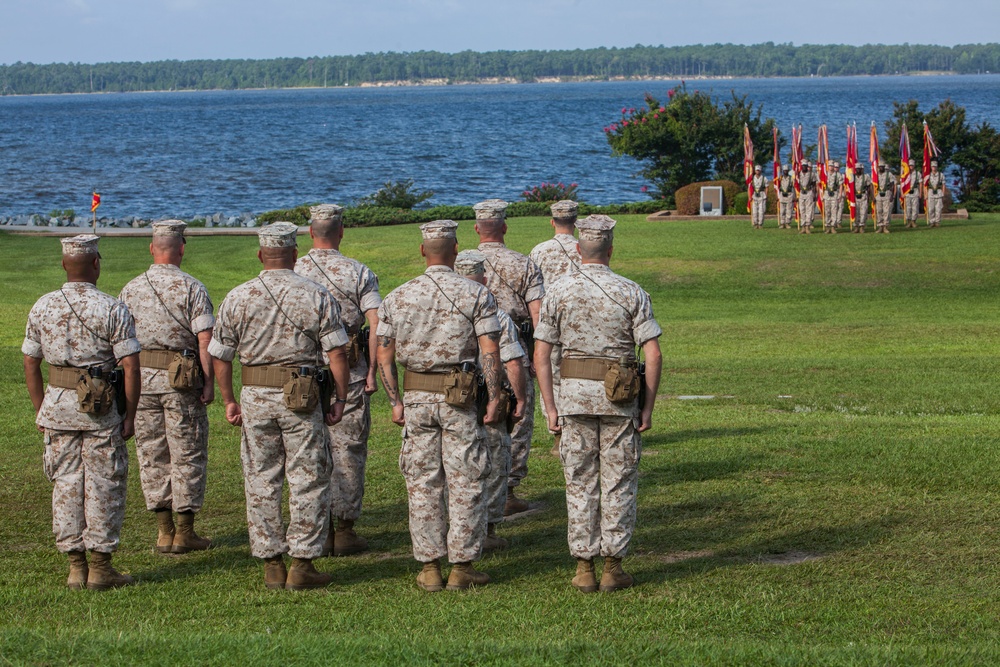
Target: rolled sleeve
547,330
126,348
220,351
535,284
644,325
335,339
370,297
124,342
486,321
202,323
511,351
385,328
331,330
31,348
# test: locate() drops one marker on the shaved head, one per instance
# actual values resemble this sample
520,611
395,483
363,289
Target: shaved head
167,249
440,251
326,229
82,268
278,258
595,251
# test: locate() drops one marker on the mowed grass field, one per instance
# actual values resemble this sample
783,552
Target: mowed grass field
837,502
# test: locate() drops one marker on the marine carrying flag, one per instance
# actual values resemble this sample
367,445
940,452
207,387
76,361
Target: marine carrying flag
777,162
822,160
851,164
797,167
748,164
875,159
95,202
931,152
905,175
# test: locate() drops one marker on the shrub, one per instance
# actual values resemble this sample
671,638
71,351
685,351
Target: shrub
298,215
550,192
688,198
396,194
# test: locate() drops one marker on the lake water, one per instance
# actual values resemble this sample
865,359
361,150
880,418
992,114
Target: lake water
185,154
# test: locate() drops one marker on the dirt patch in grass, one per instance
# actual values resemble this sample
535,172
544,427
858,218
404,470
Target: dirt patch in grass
681,556
789,558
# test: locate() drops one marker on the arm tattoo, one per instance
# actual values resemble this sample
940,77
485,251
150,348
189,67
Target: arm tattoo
390,381
385,341
494,336
491,374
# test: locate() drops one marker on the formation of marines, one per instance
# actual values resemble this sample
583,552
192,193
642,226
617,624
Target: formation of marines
801,193
311,335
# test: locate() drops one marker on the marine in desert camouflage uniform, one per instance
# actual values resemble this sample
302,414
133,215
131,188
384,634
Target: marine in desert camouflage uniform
80,331
758,204
807,198
517,284
832,197
863,192
355,288
885,200
173,315
838,204
934,189
437,324
786,199
557,258
280,324
911,200
472,265
599,318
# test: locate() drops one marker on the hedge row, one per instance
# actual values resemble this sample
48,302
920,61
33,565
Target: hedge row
376,216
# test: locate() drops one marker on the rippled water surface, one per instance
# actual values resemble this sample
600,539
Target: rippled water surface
185,154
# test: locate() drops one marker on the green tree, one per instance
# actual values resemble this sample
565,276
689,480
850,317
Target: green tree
690,139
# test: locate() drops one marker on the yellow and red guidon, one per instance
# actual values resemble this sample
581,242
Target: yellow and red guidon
95,202
748,165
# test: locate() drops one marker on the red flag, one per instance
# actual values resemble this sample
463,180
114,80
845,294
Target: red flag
905,175
797,166
822,160
851,164
873,156
748,164
95,202
930,153
777,161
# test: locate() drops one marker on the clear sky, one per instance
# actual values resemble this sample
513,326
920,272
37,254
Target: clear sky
89,31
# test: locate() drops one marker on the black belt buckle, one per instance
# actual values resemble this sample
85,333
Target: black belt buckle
190,354
95,372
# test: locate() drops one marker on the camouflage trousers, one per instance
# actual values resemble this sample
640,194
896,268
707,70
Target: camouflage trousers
883,211
171,443
445,464
838,211
861,214
600,458
89,472
297,447
935,205
757,209
498,441
349,447
786,213
807,211
830,212
911,207
520,438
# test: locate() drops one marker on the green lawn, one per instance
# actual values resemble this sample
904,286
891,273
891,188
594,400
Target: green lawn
837,503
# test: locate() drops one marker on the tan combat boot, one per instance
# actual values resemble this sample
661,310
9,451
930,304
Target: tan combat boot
585,581
101,576
302,575
464,576
345,541
275,574
492,541
614,578
514,505
430,578
186,539
164,531
78,570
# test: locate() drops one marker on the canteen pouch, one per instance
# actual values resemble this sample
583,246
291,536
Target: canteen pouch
301,393
621,382
184,372
460,388
357,348
95,395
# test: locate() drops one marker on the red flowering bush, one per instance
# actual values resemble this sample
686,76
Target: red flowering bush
550,192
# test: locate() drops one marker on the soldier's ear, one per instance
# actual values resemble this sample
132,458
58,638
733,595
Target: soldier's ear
260,256
150,248
423,253
611,250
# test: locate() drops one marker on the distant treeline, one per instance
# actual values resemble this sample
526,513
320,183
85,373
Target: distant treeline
604,63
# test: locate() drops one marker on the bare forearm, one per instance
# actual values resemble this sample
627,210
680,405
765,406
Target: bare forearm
654,367
340,370
372,317
489,349
204,338
224,378
34,382
543,371
133,384
386,357
516,375
535,308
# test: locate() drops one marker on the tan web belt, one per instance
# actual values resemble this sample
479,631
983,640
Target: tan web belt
65,377
158,359
274,377
414,381
585,368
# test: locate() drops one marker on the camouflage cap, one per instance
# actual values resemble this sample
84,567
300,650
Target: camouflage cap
911,162
278,235
169,228
564,210
491,209
934,163
470,263
757,168
326,212
596,228
836,165
439,229
82,244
